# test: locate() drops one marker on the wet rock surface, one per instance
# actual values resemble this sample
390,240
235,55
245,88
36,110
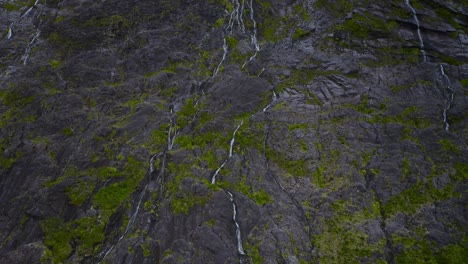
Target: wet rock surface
331,138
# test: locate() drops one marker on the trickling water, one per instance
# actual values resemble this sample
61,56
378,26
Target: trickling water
234,138
263,69
10,31
231,145
236,17
421,42
30,9
27,52
273,98
450,93
131,221
240,249
253,37
171,134
225,51
213,178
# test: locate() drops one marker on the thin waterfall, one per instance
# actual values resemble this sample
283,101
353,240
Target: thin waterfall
231,145
253,37
30,9
274,97
171,134
235,17
240,249
225,52
10,31
234,138
421,42
27,52
213,178
450,93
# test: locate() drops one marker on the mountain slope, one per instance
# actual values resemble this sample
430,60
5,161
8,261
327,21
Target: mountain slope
226,131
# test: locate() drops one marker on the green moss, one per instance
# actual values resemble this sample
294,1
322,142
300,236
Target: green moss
416,251
145,247
341,239
182,200
366,25
219,22
111,21
298,126
55,63
80,191
300,33
57,238
303,77
449,147
231,42
405,168
11,7
464,82
68,131
87,232
260,197
452,254
295,168
408,117
254,254
411,199
337,8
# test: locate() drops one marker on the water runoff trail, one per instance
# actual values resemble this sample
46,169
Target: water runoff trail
171,137
34,37
230,195
416,20
449,92
236,22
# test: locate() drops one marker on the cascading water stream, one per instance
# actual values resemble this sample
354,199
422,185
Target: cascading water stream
171,136
233,139
450,93
231,145
30,9
235,17
10,31
421,42
27,52
225,52
253,37
240,249
273,98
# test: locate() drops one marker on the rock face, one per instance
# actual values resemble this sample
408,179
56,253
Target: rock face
339,128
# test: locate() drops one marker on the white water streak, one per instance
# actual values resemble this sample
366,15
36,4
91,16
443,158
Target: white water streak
231,146
30,9
225,51
171,134
450,97
27,52
263,69
213,178
421,42
253,37
234,138
273,98
10,31
129,224
240,249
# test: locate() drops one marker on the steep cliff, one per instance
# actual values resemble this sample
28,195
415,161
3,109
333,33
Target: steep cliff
233,131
